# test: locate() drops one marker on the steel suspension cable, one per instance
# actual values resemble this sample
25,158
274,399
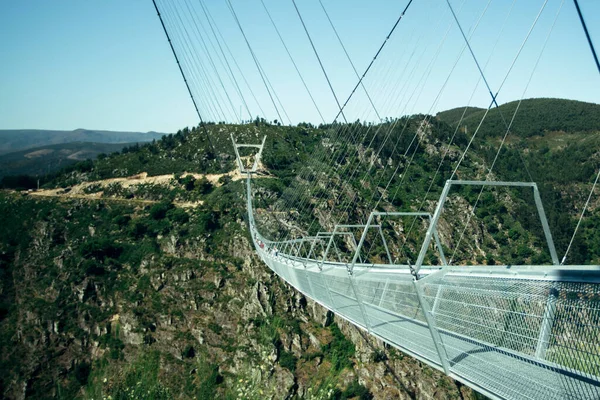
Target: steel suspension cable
427,117
587,34
196,62
343,153
231,74
210,58
380,49
192,71
212,24
380,128
318,58
494,102
253,57
374,58
184,78
463,115
293,61
587,203
275,94
420,85
195,66
349,59
508,126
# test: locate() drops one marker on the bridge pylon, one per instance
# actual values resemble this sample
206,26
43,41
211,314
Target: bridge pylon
240,162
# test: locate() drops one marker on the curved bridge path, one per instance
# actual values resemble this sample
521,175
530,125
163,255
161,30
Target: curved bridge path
509,332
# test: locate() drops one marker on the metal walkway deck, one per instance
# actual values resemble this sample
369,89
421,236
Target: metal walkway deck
520,332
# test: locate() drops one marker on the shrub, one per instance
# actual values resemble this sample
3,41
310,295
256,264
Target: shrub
178,215
82,372
188,182
101,249
356,391
159,210
340,350
203,186
288,360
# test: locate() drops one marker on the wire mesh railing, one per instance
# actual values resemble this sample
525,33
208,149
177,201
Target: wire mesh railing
520,332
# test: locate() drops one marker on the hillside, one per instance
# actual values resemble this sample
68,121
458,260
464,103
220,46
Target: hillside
454,115
134,276
536,117
12,140
169,301
48,159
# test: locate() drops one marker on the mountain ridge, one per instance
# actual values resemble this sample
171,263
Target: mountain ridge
47,159
120,284
12,140
535,117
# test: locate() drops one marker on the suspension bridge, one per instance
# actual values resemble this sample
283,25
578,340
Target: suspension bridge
508,331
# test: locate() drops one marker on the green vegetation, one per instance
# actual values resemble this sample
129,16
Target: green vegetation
536,117
39,161
354,391
340,350
172,297
139,379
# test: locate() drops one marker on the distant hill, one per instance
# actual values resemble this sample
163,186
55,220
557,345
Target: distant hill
535,117
123,279
12,140
454,115
46,159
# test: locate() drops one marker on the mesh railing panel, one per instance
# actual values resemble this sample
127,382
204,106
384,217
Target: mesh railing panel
519,338
511,338
575,336
491,311
515,338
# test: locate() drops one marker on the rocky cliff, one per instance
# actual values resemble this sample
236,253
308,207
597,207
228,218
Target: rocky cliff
103,299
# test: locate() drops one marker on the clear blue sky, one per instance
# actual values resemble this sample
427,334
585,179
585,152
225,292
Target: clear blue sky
106,64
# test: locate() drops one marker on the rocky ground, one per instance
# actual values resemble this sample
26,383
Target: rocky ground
211,318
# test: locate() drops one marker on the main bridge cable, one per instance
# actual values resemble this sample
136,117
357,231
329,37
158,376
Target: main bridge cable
487,111
360,80
349,59
374,58
367,70
447,150
293,61
210,58
587,203
237,86
319,59
212,23
260,71
184,78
